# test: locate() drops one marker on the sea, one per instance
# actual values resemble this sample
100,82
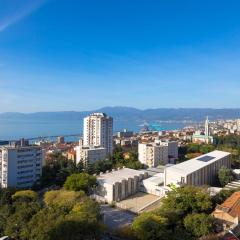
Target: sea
13,129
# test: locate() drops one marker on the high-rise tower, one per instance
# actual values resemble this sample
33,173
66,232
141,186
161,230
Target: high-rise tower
98,131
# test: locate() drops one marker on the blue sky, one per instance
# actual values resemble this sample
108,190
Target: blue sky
82,55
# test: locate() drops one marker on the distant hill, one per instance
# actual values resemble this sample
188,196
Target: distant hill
127,114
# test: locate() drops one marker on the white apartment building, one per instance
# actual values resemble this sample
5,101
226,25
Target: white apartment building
198,171
89,155
98,131
152,154
20,165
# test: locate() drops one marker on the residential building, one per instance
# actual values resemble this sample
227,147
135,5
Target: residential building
172,148
228,213
20,165
152,154
118,184
202,170
60,140
98,131
72,155
88,155
125,134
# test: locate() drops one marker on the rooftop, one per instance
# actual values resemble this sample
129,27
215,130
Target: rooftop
98,114
231,205
157,179
118,175
194,164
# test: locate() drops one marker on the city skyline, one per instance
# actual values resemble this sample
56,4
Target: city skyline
58,56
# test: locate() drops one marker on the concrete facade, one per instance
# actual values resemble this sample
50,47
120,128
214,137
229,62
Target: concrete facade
202,170
89,155
20,166
172,148
118,185
98,131
152,154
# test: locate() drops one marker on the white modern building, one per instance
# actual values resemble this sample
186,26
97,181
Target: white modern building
155,185
88,155
199,171
152,154
20,165
118,184
98,131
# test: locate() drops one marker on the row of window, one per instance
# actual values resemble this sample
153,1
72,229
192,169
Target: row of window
25,161
23,183
25,177
25,166
27,171
25,155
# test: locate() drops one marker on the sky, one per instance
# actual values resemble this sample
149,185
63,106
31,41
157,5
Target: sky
63,55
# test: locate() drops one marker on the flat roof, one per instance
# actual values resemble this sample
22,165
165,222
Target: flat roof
197,163
156,179
118,175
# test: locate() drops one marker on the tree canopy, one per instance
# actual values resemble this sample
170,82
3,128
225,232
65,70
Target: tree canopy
198,224
225,176
25,195
63,198
182,215
188,199
80,182
150,226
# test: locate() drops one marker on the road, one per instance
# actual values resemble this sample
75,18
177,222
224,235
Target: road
115,218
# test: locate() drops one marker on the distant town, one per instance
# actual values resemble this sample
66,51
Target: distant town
131,177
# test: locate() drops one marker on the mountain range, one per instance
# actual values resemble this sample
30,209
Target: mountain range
127,114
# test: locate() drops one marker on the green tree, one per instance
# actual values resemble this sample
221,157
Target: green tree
150,226
80,181
188,199
43,223
82,221
199,224
225,176
5,211
17,221
25,195
57,169
220,197
6,195
63,198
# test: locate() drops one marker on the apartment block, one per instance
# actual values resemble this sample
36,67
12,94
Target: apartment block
88,155
152,154
20,165
98,131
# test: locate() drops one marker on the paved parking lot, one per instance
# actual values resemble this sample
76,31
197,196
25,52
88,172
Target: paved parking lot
116,218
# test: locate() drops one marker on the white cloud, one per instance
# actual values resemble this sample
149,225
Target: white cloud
25,11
